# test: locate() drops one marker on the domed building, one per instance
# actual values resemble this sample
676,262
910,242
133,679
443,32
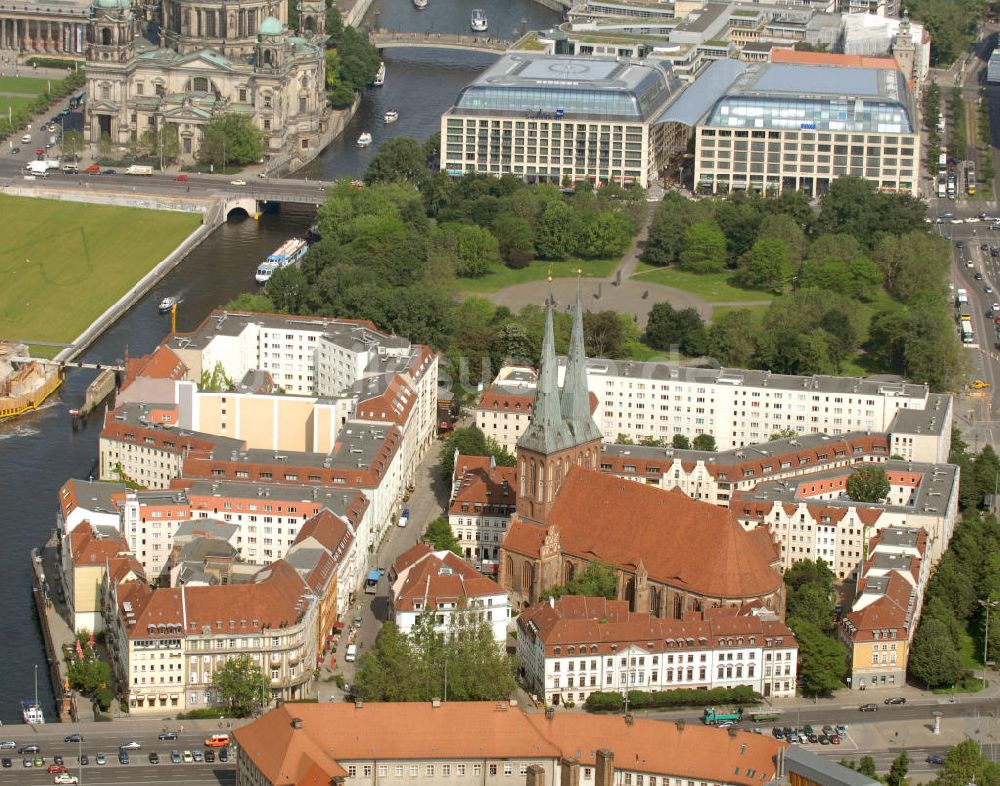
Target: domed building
193,60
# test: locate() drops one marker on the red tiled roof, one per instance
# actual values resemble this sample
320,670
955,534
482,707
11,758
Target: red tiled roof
481,484
393,405
330,531
888,612
330,733
161,363
432,578
830,58
682,542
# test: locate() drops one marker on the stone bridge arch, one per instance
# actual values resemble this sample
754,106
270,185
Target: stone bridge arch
247,205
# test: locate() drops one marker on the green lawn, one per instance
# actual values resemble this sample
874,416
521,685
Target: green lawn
504,276
711,287
720,311
24,84
13,103
67,262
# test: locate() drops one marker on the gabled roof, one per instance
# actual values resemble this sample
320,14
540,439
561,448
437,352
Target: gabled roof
430,578
161,363
479,483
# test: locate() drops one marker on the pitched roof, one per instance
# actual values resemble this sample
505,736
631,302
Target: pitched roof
832,59
331,733
682,542
161,363
329,531
479,483
435,577
95,545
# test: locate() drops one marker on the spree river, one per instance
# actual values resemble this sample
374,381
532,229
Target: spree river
39,452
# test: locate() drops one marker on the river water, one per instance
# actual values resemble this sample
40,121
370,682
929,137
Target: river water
39,452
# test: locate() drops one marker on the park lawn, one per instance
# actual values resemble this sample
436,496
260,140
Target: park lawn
24,84
710,287
503,277
67,262
13,103
757,311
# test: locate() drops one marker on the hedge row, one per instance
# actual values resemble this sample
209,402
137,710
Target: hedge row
742,695
53,62
22,116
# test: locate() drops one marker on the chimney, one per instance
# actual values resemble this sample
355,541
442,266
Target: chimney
358,704
550,713
569,770
679,724
779,765
296,723
436,702
604,773
535,776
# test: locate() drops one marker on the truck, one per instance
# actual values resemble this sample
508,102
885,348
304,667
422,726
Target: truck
37,168
714,717
942,189
961,297
404,517
968,337
951,188
137,169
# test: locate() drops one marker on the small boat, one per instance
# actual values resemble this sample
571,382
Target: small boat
288,253
420,5
31,712
365,139
478,21
380,76
168,303
391,116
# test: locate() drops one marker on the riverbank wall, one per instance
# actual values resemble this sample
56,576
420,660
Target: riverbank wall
555,5
213,215
65,701
353,11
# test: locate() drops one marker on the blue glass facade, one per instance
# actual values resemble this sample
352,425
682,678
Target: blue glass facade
789,112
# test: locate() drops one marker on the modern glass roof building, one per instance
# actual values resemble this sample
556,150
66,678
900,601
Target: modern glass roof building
788,125
556,117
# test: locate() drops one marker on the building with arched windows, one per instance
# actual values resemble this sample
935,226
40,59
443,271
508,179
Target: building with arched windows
151,80
672,554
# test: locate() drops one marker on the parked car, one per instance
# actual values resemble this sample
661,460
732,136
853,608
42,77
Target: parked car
824,740
101,759
175,757
123,757
39,761
29,749
209,755
835,739
841,729
987,289
109,171
154,757
58,760
828,730
812,738
868,707
224,754
84,759
895,700
27,762
197,755
93,169
7,763
7,745
978,276
54,768
182,178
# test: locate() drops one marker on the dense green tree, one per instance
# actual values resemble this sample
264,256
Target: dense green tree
71,144
668,329
597,580
231,139
898,770
704,442
785,433
516,239
704,248
470,441
475,250
867,767
731,338
914,264
783,227
856,207
399,159
666,231
868,483
439,534
767,266
680,442
965,764
557,232
822,659
88,675
605,235
241,684
251,301
607,333
934,659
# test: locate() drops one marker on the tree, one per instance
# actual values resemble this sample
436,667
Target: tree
822,659
965,764
731,338
666,231
704,248
88,675
231,138
251,301
215,380
474,250
605,333
766,266
606,235
898,769
557,231
868,484
934,659
470,441
439,534
597,580
670,329
785,433
867,767
241,684
105,147
704,442
680,442
914,264
71,144
398,160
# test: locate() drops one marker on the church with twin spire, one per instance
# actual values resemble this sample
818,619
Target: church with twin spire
671,554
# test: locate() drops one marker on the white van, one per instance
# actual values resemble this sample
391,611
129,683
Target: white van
26,139
352,653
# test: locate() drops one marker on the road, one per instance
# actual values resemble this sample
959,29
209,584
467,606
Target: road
106,738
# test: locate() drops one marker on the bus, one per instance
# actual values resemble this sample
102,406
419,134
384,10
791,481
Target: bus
765,716
970,178
968,337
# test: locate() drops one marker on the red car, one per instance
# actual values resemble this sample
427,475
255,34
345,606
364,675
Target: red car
93,169
181,178
54,768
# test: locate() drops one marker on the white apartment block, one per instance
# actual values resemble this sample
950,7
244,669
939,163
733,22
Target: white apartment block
657,400
575,646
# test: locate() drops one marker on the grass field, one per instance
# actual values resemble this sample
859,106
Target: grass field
710,287
720,311
23,84
13,103
505,276
66,262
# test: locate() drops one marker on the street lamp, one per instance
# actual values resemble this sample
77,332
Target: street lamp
986,604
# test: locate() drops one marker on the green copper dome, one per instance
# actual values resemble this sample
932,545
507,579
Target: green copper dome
112,3
269,26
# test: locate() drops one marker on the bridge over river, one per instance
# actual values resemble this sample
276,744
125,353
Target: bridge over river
388,39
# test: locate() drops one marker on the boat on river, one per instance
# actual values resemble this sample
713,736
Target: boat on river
478,21
365,139
391,116
380,75
420,5
288,253
168,303
31,712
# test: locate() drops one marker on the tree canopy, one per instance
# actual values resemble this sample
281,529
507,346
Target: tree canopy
470,441
441,537
597,580
231,139
810,613
241,684
868,483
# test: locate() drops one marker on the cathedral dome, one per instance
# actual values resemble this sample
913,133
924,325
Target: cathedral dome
112,3
269,26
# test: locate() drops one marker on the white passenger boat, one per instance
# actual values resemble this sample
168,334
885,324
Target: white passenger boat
380,76
391,116
420,5
365,139
31,712
478,21
288,253
168,303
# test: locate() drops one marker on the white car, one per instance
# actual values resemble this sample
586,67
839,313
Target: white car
957,221
972,220
65,777
237,182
